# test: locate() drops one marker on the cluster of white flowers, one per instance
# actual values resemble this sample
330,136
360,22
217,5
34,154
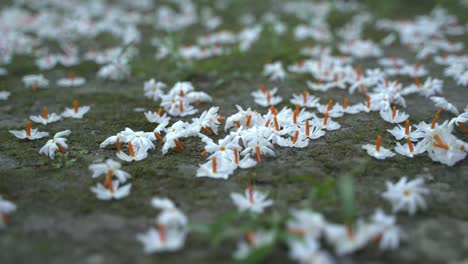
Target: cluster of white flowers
434,138
382,95
309,229
361,49
177,102
84,20
39,81
58,142
429,36
214,44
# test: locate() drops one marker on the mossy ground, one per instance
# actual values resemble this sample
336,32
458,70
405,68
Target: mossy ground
60,221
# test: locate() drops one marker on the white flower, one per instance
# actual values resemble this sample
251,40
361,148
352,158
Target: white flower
109,168
112,191
305,100
170,217
257,142
57,143
238,136
35,81
208,121
275,71
430,87
46,118
4,95
116,139
76,112
117,70
162,203
389,234
171,230
441,145
388,40
227,157
69,59
154,90
216,168
198,52
306,223
348,239
223,149
245,118
377,151
71,81
320,86
406,132
163,239
460,119
414,70
298,141
409,149
181,89
265,97
326,123
177,106
361,49
178,130
253,240
334,112
47,62
445,148
374,103
156,117
406,195
345,108
140,140
245,163
311,131
6,208
198,97
134,155
393,115
254,201
444,104
158,130
385,94
307,251
29,133
462,78
248,36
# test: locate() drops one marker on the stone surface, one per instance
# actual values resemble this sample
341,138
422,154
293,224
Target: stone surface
60,221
